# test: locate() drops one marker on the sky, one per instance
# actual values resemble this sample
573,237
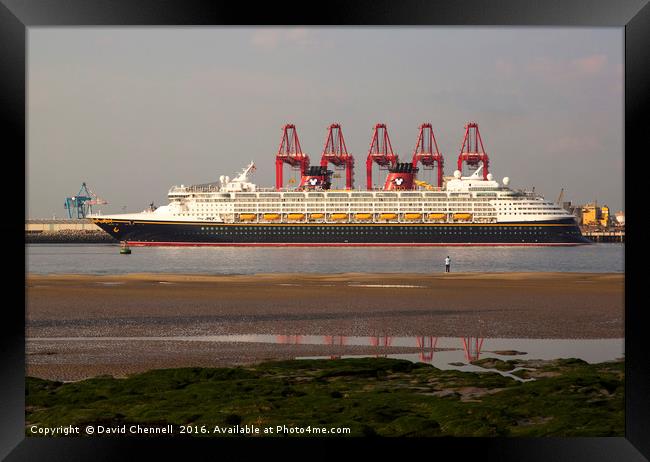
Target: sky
134,111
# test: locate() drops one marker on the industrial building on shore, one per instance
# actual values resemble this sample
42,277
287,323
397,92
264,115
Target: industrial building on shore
590,216
597,222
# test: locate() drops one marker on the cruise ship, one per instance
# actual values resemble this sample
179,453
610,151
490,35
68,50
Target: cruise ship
474,210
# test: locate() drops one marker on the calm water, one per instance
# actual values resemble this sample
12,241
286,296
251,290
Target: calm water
442,352
105,259
458,352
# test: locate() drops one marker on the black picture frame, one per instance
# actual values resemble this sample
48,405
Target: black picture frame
633,15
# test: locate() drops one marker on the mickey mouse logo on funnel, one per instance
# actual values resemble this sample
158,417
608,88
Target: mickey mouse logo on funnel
400,176
316,177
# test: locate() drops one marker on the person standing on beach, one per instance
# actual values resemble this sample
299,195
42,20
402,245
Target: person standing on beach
447,264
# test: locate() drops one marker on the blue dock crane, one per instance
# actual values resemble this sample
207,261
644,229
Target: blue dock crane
81,205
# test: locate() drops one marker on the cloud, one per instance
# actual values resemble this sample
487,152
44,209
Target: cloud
572,144
270,39
297,35
555,70
590,64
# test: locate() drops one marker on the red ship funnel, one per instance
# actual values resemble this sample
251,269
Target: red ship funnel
400,177
316,177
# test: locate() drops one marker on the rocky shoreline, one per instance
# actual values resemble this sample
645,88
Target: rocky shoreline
70,236
365,396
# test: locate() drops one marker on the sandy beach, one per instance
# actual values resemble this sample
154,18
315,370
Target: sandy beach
504,305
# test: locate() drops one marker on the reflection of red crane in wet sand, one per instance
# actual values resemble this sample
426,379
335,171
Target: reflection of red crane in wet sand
472,347
334,340
289,339
381,342
427,346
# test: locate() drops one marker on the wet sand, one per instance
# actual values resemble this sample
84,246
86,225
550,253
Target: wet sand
506,305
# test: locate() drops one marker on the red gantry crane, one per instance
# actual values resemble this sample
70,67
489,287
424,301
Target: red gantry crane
427,152
380,152
336,152
290,153
472,151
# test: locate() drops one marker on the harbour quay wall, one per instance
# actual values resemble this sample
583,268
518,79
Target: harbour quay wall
65,231
605,235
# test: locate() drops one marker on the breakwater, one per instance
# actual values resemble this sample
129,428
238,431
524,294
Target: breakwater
65,232
69,236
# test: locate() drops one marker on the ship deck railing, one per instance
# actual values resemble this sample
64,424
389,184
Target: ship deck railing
283,219
215,188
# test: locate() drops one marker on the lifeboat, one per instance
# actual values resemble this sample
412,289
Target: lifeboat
412,216
339,216
462,216
296,216
271,216
387,216
247,216
316,216
363,216
437,216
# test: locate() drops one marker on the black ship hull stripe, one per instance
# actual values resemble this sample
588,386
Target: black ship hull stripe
206,233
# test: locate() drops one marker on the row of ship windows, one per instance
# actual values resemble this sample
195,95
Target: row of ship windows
528,229
354,210
525,208
345,206
357,209
350,232
547,212
330,197
354,199
352,204
452,197
417,205
404,208
332,193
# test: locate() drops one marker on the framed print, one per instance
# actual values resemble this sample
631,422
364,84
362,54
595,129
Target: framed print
399,221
